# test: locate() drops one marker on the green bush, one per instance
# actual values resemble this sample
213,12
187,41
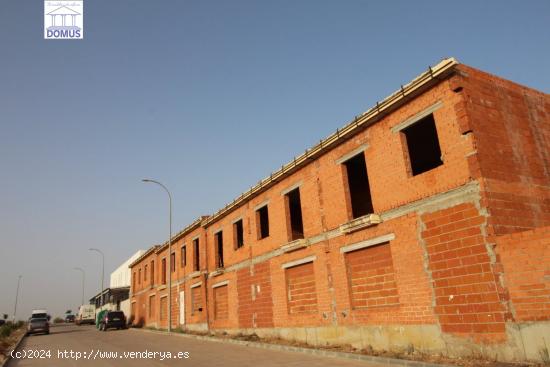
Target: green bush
9,327
5,330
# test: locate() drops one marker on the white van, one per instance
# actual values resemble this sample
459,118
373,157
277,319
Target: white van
39,314
86,315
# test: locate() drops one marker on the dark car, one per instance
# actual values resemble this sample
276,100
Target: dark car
2,322
111,320
38,325
69,318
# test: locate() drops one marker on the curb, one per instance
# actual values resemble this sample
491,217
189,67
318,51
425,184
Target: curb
312,351
8,358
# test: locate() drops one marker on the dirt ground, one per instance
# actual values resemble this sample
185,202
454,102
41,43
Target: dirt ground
7,344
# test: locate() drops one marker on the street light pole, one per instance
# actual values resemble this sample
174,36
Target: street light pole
102,275
83,281
16,297
169,251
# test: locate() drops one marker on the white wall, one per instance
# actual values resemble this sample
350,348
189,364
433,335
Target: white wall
121,276
125,307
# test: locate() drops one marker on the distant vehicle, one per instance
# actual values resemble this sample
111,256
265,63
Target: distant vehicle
111,320
38,314
86,315
2,322
38,325
69,318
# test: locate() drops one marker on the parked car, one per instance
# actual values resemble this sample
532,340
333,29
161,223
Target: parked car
111,320
2,322
69,318
38,325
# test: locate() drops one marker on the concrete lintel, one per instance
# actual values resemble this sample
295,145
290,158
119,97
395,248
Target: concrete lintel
216,272
194,274
420,115
237,219
363,244
196,285
295,245
220,284
325,236
360,149
305,260
261,205
290,188
463,194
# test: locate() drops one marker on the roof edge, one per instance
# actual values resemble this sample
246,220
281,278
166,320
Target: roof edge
368,117
145,254
195,224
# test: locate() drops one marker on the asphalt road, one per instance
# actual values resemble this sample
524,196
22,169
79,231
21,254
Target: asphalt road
90,346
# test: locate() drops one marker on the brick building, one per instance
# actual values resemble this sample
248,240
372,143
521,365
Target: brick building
425,221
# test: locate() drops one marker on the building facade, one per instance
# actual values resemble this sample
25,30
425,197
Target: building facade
117,296
424,222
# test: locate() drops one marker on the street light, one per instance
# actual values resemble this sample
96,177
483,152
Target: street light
83,279
169,251
102,274
16,296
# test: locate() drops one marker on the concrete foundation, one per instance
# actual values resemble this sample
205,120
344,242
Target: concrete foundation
525,341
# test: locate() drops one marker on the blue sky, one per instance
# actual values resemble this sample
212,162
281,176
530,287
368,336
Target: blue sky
207,97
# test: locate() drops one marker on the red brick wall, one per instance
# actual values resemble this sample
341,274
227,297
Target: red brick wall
411,279
525,258
323,188
152,286
465,286
163,310
196,300
221,310
371,277
301,293
511,129
152,307
255,306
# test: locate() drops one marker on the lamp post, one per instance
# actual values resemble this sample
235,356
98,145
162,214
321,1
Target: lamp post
102,275
169,251
83,281
16,297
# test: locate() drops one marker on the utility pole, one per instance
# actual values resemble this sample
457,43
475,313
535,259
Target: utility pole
16,297
83,281
102,275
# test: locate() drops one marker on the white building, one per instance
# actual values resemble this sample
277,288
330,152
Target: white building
121,277
116,297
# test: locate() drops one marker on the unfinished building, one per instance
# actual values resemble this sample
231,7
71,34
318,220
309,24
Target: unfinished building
424,222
